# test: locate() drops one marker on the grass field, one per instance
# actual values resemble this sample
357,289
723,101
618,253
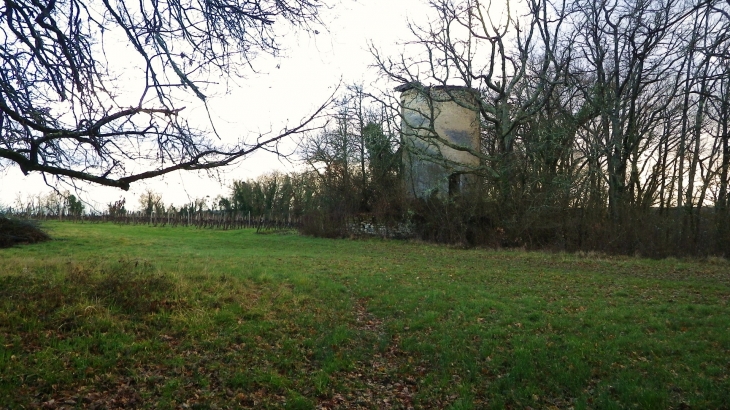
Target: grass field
113,316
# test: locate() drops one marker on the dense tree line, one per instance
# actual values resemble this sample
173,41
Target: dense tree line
349,168
54,204
604,123
604,126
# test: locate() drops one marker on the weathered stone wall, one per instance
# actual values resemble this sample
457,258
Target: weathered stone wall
432,118
400,230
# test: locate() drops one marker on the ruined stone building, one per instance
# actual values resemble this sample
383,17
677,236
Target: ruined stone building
438,125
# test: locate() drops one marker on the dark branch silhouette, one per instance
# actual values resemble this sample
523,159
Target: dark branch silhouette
65,112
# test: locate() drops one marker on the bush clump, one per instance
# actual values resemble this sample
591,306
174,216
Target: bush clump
15,231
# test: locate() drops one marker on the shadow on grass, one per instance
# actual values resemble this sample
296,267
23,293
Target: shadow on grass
126,287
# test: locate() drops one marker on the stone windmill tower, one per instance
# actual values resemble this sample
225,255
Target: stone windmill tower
438,126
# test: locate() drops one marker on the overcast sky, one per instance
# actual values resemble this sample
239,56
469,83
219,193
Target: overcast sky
312,67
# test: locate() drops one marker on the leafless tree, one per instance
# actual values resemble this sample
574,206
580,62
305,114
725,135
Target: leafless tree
617,108
66,110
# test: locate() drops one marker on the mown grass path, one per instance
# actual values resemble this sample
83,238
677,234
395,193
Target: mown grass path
113,316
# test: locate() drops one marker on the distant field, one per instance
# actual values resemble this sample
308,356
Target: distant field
135,316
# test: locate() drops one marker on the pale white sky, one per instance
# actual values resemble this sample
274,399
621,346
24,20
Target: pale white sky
313,65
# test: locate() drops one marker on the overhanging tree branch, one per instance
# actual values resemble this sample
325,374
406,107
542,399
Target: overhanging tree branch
61,110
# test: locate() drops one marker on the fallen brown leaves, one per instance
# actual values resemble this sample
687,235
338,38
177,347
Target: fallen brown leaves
379,382
122,396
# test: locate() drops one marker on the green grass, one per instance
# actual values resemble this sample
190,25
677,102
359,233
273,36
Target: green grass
137,316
